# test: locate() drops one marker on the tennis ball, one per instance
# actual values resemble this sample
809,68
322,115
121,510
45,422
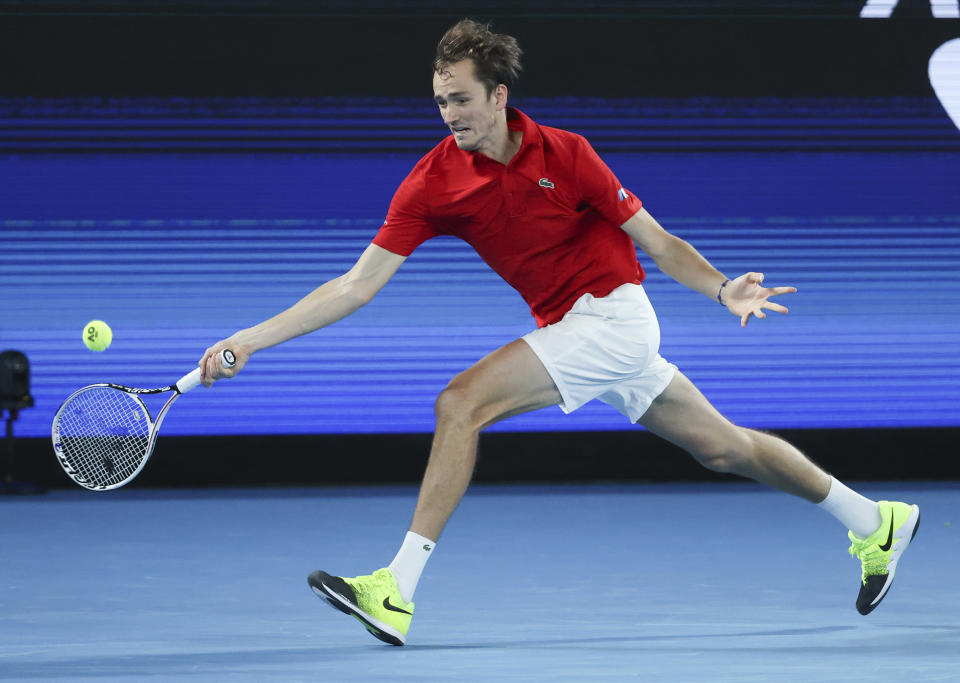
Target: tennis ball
97,335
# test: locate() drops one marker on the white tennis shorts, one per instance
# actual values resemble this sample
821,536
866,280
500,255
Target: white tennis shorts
606,348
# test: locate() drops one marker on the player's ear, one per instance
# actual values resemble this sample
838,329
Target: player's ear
500,95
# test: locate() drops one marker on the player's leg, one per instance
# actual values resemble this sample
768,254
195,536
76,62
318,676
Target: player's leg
507,382
880,532
683,416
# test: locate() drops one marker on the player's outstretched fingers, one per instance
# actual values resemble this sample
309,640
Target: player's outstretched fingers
775,307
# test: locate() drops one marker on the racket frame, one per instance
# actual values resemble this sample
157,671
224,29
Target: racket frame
153,429
189,381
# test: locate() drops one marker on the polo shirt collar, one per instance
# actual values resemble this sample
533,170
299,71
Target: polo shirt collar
532,139
517,120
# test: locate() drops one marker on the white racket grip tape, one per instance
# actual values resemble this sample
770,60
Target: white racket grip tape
192,380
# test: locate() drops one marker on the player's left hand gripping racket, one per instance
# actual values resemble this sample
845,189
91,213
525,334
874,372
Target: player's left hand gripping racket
103,434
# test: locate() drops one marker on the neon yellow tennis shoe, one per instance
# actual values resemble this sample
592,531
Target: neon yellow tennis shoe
374,600
880,551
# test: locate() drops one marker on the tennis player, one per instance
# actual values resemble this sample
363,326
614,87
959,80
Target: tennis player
545,212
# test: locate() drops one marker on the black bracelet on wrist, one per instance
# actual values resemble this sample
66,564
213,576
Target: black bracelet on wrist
720,291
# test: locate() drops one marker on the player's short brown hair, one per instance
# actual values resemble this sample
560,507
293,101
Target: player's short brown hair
495,56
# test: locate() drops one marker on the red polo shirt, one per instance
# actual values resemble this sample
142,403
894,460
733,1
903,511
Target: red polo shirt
548,222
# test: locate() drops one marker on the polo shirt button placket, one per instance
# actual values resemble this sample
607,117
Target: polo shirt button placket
514,204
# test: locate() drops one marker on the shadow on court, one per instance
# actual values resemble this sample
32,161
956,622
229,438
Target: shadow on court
314,660
183,663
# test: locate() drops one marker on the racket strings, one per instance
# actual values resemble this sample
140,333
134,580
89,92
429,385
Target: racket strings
104,436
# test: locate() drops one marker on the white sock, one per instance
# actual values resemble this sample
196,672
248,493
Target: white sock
412,557
860,515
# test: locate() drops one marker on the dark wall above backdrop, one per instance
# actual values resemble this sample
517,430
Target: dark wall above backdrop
622,49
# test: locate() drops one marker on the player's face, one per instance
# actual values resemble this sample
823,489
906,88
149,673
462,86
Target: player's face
468,111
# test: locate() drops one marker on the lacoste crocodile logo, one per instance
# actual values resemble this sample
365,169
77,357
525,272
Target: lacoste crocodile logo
546,183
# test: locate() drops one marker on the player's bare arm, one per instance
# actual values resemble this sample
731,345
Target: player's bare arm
743,296
328,303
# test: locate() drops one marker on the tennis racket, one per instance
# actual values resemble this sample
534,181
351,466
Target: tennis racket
103,434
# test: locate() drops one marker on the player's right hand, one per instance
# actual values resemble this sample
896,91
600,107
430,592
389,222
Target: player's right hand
211,364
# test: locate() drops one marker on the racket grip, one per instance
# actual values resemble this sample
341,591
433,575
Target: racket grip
192,380
189,381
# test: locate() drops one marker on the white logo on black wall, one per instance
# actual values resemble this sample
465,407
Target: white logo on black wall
944,66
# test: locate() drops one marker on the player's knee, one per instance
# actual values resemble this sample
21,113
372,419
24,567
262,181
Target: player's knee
723,453
715,459
454,404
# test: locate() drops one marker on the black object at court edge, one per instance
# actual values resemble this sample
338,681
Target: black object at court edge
14,397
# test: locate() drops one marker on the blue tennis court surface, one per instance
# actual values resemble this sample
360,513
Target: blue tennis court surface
698,582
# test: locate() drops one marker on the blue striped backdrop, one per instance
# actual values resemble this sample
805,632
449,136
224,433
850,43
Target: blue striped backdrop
177,236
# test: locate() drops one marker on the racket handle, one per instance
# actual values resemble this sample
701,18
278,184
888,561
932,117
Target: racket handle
192,380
